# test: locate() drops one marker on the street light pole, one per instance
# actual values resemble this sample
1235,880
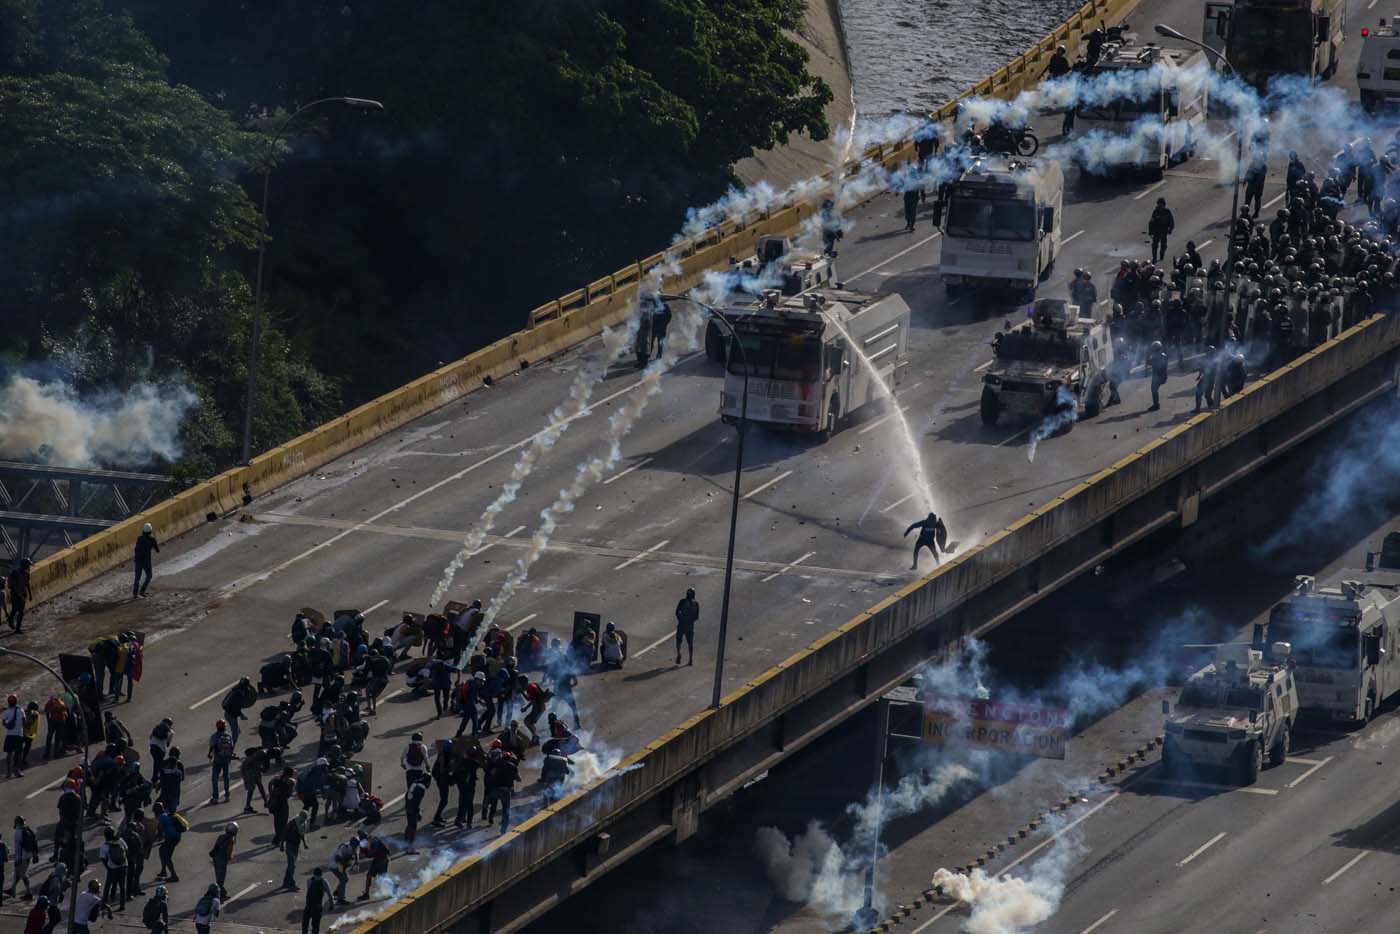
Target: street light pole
1230,249
252,390
77,838
734,342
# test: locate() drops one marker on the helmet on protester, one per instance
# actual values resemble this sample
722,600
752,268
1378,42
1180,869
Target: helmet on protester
231,827
161,891
1156,345
322,761
417,737
221,724
146,528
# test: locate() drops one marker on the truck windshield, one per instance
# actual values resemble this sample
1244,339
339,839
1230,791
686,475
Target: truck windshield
1018,345
1125,110
772,356
990,218
1270,42
1318,645
1200,694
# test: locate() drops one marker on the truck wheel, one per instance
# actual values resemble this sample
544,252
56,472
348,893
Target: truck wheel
991,407
1170,759
714,343
1253,762
1093,403
1279,754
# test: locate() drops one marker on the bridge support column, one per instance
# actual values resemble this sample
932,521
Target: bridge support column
686,805
1188,498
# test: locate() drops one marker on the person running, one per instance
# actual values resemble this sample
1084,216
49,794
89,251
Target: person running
687,613
222,854
146,545
378,852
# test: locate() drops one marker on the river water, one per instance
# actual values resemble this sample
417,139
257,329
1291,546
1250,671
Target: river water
914,55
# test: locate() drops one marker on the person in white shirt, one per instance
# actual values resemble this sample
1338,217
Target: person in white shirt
90,908
13,721
25,851
207,909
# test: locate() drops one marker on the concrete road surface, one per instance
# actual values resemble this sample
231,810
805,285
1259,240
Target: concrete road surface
819,528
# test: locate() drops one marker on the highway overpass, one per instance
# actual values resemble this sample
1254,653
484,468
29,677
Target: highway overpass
826,613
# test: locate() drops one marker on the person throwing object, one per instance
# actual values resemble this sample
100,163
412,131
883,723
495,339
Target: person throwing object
933,535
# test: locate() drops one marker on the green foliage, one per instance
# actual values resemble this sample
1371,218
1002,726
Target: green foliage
525,148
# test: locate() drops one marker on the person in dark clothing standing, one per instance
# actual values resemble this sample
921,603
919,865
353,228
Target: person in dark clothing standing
1059,67
687,612
1160,226
1254,178
20,593
146,545
318,896
1094,47
1157,362
933,535
911,207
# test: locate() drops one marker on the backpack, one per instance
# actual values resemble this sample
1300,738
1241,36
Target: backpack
205,906
223,747
116,852
414,755
30,841
151,913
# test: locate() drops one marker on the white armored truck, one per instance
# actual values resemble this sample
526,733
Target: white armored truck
1001,223
814,358
1234,713
1054,360
775,265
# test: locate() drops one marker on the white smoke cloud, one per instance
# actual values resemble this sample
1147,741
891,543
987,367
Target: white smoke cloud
51,423
1011,904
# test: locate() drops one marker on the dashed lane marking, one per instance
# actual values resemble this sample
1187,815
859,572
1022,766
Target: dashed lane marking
899,502
489,545
622,473
1304,777
1099,923
883,263
664,639
763,486
1349,863
375,607
243,583
640,555
239,894
979,369
875,424
1148,190
788,567
1077,233
1208,786
520,622
223,690
1202,848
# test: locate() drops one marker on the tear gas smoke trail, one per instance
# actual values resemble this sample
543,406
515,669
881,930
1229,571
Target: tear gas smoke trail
50,423
681,339
1007,904
813,869
922,488
1066,414
589,376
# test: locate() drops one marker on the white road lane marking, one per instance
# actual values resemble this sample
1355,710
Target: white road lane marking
1349,863
375,607
1018,434
664,639
520,622
1302,778
34,794
761,487
875,424
223,690
257,578
788,567
1207,786
1077,233
511,534
1099,923
231,789
947,909
912,386
639,556
1301,761
1202,246
393,801
239,894
979,369
1202,848
883,263
622,473
391,695
1372,4
899,502
1148,190
1273,201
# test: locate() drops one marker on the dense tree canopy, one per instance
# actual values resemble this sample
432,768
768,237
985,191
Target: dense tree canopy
524,148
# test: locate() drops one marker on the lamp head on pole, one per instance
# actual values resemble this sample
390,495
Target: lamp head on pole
1170,33
364,103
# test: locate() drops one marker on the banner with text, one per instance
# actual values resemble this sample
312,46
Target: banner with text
1021,729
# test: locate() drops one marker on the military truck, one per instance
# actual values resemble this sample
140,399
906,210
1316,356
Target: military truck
1054,363
775,265
1234,713
1343,635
